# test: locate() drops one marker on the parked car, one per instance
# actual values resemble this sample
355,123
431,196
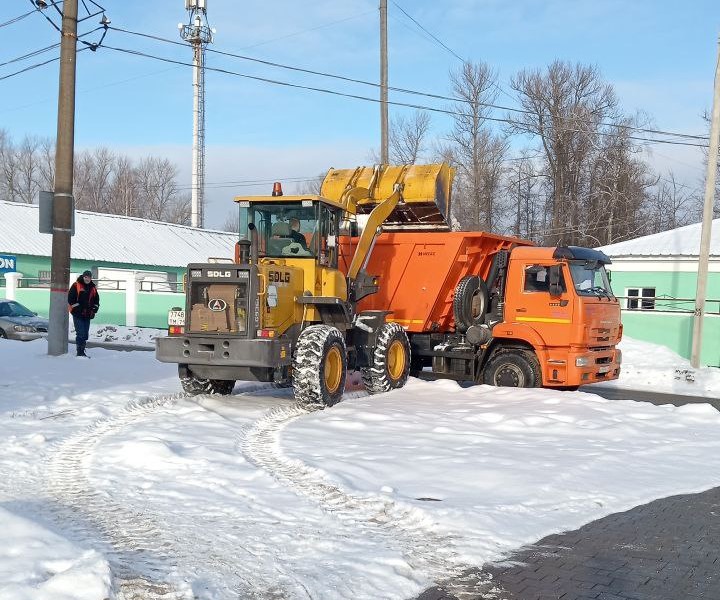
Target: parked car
20,323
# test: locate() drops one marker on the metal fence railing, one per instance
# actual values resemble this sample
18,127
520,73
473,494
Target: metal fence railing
665,303
103,284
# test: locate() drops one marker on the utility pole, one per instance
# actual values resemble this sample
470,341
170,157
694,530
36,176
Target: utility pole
62,212
706,223
198,34
384,143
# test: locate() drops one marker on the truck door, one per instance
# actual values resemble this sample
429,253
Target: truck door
546,308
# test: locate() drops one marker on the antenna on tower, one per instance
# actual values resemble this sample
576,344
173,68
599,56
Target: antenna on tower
198,34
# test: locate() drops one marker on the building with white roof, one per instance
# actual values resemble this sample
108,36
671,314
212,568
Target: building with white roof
656,276
118,250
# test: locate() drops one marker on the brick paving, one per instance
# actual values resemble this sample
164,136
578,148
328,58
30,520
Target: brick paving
668,549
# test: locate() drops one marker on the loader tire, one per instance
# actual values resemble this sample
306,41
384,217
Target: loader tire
470,302
391,360
193,385
513,368
319,366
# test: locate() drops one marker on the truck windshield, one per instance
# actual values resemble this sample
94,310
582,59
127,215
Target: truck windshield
590,278
284,228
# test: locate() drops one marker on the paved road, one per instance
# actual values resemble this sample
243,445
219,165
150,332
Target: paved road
664,550
656,398
668,549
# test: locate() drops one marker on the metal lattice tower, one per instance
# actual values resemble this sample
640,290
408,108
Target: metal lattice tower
198,34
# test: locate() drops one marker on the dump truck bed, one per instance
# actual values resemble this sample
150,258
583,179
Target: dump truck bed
418,272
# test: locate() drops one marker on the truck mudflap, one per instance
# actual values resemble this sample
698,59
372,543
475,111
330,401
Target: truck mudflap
223,351
582,367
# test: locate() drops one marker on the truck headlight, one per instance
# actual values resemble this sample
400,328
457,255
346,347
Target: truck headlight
24,328
582,361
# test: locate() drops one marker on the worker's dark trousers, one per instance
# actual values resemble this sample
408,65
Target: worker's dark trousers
82,329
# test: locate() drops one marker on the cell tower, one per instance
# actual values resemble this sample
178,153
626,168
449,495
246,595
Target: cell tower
198,34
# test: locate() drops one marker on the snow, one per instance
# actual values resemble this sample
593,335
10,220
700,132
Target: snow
115,485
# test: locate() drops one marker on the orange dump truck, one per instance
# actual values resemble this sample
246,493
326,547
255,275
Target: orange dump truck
492,309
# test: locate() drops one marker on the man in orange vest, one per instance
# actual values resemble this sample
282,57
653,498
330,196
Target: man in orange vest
83,303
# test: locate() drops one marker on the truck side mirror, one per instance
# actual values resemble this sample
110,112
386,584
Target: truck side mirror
554,276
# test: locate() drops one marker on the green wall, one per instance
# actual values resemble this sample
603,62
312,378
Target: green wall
30,266
672,329
675,332
153,308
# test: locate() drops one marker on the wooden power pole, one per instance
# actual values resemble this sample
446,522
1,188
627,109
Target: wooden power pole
62,211
706,223
384,139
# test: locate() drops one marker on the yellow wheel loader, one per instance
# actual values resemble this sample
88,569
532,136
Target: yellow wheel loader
283,311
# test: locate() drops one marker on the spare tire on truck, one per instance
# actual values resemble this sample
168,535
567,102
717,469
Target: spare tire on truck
470,302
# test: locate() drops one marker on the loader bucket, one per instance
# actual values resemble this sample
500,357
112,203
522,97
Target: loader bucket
425,203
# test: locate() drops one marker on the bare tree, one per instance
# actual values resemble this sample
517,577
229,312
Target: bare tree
157,187
673,205
8,172
46,164
599,185
478,152
26,168
232,222
526,190
311,186
407,137
123,191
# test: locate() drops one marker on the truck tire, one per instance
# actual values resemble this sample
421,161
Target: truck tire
193,385
513,368
391,360
319,366
470,302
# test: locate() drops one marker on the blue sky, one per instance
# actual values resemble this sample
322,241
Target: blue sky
659,55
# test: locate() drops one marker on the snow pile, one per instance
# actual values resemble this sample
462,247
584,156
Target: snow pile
656,368
107,468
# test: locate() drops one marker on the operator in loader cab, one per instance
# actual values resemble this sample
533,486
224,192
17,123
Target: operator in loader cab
295,234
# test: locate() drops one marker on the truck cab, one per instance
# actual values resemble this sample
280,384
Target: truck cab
560,300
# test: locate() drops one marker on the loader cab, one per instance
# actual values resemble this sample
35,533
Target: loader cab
294,228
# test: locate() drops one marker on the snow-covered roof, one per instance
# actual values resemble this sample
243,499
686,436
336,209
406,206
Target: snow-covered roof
683,241
114,238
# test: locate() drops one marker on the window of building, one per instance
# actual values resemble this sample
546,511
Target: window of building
640,298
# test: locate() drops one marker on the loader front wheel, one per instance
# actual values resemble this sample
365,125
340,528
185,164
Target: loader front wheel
391,360
319,366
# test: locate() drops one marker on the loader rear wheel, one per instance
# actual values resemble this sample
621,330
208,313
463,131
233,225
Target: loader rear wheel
513,368
470,302
319,366
193,385
391,360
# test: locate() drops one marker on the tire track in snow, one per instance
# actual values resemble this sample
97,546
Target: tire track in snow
143,555
399,525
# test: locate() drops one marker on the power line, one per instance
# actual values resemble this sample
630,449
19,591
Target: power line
18,18
29,55
402,10
284,37
364,98
30,68
412,92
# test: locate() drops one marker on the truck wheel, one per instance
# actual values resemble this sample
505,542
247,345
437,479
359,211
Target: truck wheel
193,385
470,302
517,368
391,360
319,366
